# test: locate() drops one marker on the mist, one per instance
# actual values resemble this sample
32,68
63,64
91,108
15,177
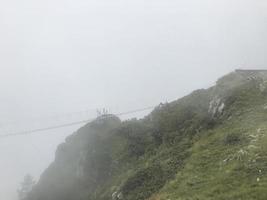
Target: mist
61,60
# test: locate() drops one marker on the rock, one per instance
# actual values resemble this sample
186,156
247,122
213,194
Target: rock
114,195
216,106
117,195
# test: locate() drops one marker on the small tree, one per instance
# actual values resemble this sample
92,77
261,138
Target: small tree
26,187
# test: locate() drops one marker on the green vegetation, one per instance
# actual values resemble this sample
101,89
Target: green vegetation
210,144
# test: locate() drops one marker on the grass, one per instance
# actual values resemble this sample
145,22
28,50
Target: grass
208,174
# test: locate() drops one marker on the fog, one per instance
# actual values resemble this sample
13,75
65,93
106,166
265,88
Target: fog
62,60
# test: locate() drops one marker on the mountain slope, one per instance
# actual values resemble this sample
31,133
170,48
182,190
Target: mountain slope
210,144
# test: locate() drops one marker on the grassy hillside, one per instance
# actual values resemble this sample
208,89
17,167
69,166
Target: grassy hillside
210,144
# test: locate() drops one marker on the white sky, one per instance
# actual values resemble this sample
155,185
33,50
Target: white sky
63,56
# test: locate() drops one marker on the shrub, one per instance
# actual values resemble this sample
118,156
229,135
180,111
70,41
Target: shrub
144,183
234,138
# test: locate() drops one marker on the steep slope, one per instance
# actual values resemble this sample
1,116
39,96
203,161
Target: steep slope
208,145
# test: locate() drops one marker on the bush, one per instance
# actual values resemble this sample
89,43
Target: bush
144,183
234,139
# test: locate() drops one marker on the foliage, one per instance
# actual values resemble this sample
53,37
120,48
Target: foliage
144,183
234,138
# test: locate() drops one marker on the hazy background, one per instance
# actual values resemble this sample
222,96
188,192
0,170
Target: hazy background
66,56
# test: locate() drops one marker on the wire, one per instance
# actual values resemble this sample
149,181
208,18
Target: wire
34,131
